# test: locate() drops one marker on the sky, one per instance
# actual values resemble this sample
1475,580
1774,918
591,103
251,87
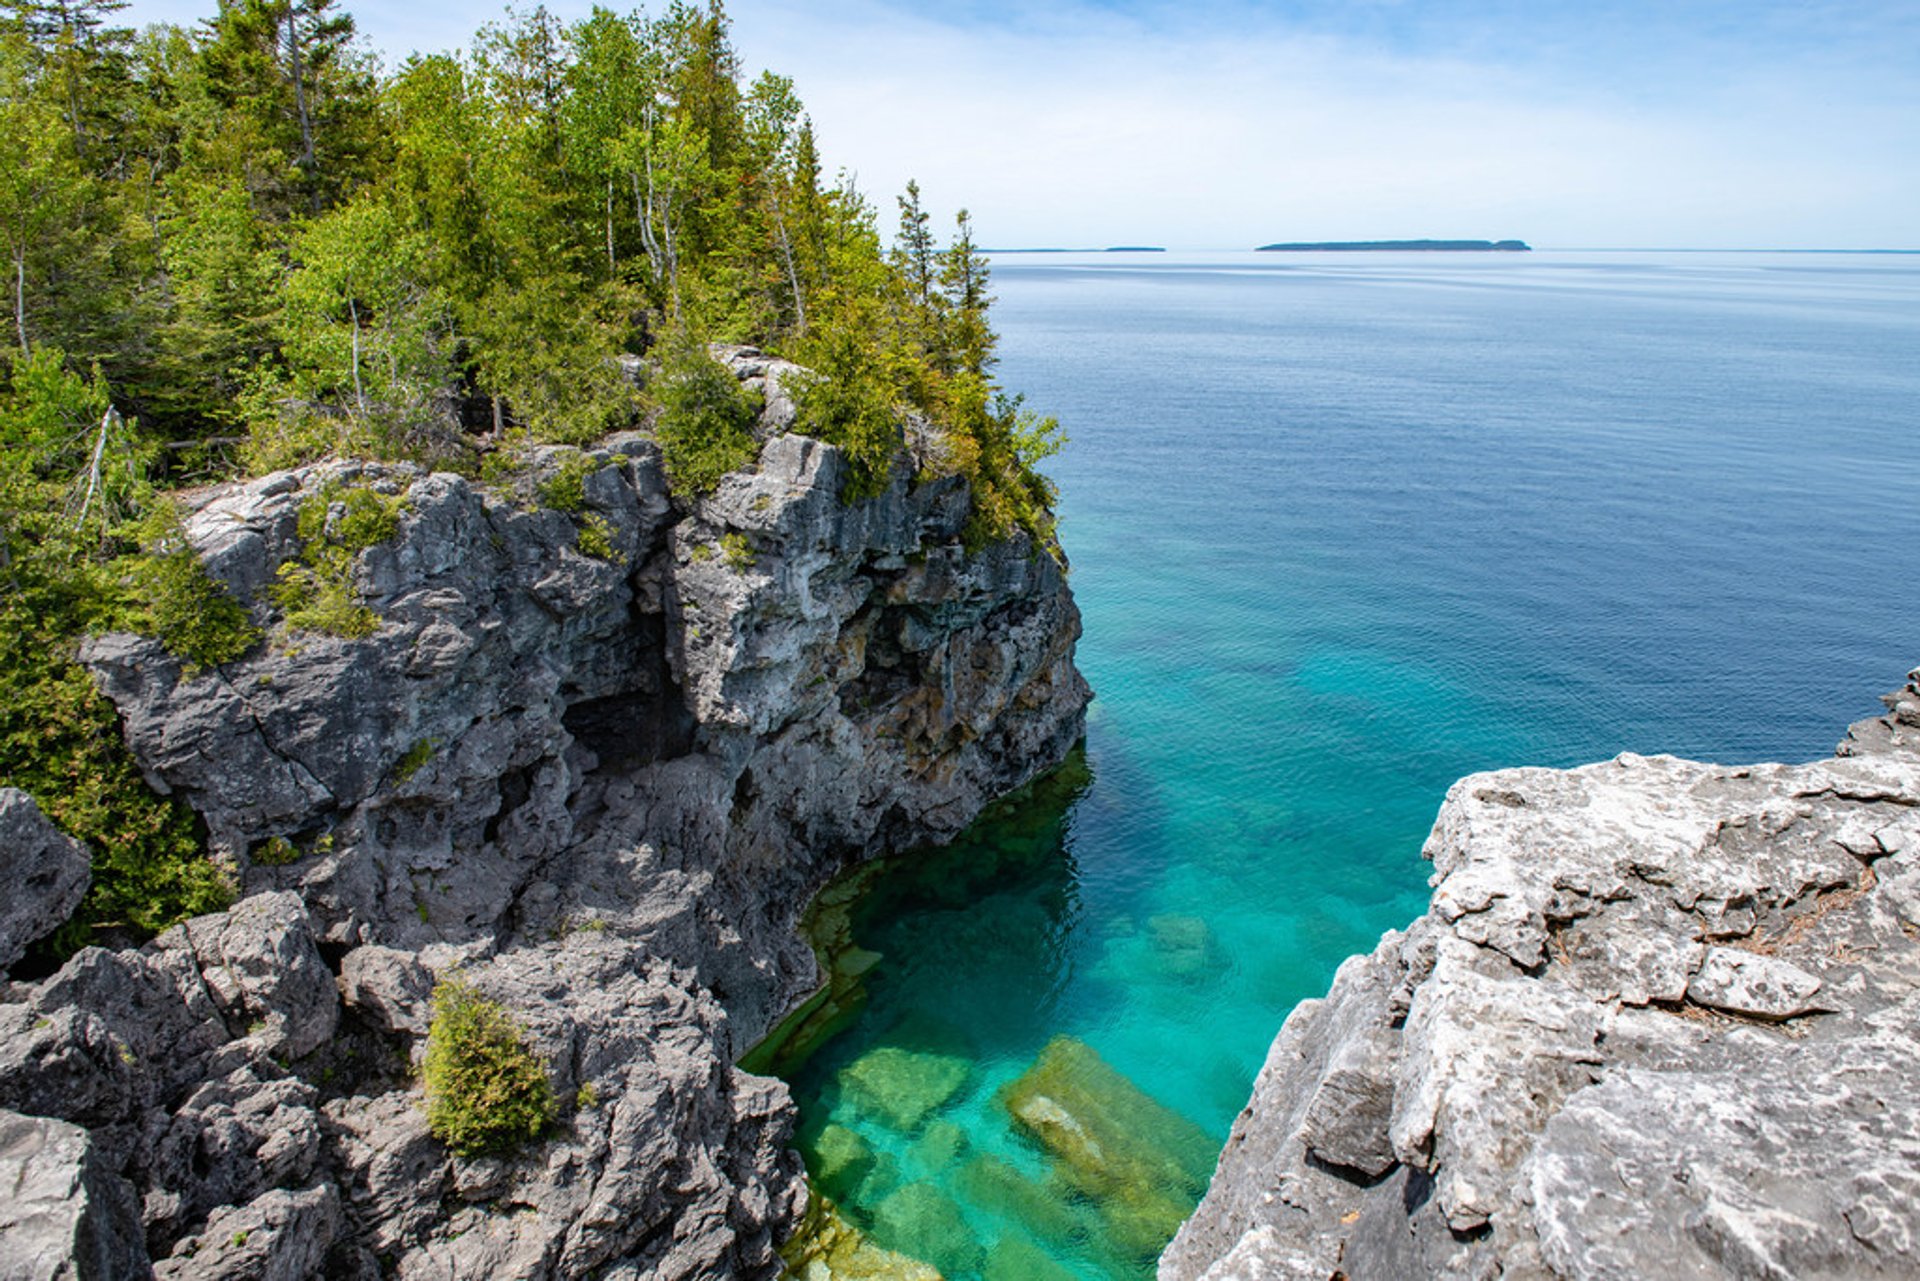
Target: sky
1087,123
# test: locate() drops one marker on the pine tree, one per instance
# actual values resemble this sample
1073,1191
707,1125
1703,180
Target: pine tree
285,73
43,191
969,340
913,247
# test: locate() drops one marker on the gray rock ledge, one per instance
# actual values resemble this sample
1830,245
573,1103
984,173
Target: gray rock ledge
1661,1019
602,787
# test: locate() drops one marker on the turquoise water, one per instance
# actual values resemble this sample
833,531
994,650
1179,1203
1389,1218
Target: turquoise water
1344,529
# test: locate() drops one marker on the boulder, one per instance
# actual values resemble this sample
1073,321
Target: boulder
67,1215
388,986
278,1236
262,966
46,873
1140,1162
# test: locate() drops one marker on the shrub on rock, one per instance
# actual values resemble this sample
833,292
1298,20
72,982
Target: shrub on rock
486,1089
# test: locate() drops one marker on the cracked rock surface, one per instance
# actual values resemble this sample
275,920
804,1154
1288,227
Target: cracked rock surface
1661,1019
600,786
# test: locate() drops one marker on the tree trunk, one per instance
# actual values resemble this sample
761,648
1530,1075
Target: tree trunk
300,90
108,421
643,211
793,277
611,266
20,297
359,393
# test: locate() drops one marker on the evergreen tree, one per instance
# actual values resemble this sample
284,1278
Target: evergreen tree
43,191
292,87
913,247
963,282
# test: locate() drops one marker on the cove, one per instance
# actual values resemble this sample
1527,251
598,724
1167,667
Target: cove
1342,533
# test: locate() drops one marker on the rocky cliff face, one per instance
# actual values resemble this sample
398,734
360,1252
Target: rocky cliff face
1662,1019
600,784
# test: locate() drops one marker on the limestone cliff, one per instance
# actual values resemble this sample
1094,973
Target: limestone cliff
1662,1019
596,760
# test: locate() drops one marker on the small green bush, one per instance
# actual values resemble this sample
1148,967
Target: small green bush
596,538
738,550
704,422
184,607
321,601
566,489
413,760
316,593
486,1089
276,851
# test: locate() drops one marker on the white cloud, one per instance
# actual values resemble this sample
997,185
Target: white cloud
1094,134
1080,127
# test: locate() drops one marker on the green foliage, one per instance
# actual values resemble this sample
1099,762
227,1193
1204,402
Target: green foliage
72,478
60,741
738,550
486,1089
997,447
854,397
704,421
323,600
596,538
247,225
566,489
182,605
276,851
363,328
316,593
413,760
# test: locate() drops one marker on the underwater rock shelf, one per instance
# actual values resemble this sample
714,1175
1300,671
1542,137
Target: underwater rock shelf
936,1135
1095,1168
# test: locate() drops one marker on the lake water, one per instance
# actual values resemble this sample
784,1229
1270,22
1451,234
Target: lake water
1344,528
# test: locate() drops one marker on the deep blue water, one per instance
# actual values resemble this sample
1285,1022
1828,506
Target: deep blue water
1344,528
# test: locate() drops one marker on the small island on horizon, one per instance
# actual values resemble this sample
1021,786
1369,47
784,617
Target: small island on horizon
1450,246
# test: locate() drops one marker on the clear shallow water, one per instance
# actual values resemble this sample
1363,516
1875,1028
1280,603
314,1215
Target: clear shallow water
1343,529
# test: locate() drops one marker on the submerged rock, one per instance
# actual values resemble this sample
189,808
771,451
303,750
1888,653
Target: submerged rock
1141,1163
998,1189
1660,1020
903,1087
828,1247
1012,1259
923,1222
838,1159
1184,947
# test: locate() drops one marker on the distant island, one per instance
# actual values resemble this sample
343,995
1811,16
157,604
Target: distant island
1346,246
